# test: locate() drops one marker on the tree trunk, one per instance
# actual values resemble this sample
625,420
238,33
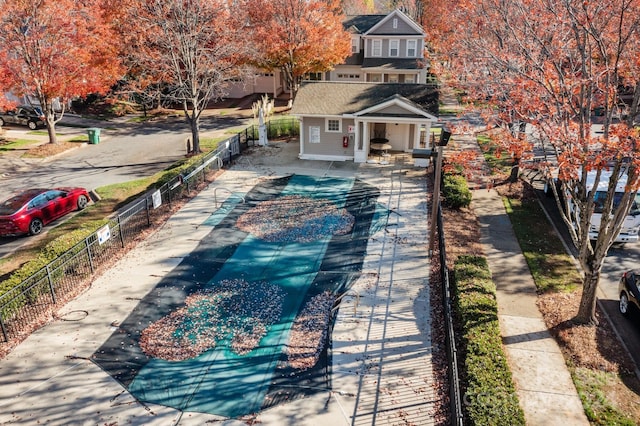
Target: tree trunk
515,170
195,134
51,130
587,309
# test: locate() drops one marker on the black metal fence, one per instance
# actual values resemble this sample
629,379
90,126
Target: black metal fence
455,398
35,299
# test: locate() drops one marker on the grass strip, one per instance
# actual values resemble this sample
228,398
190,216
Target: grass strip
554,271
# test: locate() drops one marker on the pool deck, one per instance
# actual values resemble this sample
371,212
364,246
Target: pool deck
382,364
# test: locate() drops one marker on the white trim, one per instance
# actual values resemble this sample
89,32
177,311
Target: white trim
415,49
355,42
397,48
326,124
395,101
325,157
405,18
373,48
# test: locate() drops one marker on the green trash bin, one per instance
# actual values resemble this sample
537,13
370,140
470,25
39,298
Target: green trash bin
94,135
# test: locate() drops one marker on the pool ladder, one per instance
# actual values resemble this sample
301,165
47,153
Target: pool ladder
348,293
215,195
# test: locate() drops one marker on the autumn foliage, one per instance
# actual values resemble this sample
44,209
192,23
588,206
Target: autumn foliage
56,49
298,36
551,65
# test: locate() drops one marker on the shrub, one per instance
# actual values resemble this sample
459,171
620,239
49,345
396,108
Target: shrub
489,396
455,191
34,271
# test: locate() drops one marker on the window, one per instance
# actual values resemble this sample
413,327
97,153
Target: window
314,134
349,76
393,78
411,48
314,76
395,22
376,47
394,48
333,125
355,45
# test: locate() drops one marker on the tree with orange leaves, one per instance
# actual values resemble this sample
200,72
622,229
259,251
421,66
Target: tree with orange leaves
550,64
56,50
298,37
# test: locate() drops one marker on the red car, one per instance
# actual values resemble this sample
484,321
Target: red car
28,212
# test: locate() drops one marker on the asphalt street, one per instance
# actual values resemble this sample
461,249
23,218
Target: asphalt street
126,151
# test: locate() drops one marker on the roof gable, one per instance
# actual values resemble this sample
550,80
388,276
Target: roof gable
400,16
395,105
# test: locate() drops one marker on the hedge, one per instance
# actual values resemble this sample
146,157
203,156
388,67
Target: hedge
455,191
489,396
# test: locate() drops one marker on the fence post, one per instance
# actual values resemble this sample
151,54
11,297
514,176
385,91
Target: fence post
4,330
148,210
50,279
88,247
120,232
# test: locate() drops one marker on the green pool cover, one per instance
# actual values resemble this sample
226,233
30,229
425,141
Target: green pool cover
292,239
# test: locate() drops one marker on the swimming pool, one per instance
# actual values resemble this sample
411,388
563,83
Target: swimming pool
221,333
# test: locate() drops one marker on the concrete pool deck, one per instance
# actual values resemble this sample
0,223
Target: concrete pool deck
382,365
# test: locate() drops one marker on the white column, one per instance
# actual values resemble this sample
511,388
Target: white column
302,136
360,155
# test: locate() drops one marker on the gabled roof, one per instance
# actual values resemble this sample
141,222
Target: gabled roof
327,98
410,108
360,24
397,14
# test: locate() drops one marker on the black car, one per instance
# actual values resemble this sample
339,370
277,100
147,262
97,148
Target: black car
24,115
629,292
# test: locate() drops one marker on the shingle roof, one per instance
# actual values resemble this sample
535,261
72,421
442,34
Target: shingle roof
360,24
393,64
334,98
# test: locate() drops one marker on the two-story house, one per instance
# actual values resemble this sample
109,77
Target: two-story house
376,101
385,49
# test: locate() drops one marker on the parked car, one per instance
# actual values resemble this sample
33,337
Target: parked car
629,292
25,115
29,211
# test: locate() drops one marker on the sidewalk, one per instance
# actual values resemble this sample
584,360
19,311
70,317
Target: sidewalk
546,392
543,383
